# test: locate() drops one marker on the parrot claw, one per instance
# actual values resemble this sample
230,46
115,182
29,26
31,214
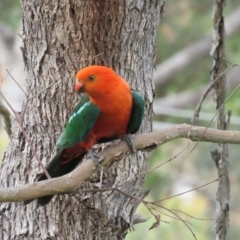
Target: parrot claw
94,157
126,138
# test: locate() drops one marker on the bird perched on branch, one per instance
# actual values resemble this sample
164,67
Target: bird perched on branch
109,110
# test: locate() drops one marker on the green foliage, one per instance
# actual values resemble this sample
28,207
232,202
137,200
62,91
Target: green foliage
10,12
184,23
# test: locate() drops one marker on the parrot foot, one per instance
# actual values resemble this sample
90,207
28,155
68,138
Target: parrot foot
126,138
94,157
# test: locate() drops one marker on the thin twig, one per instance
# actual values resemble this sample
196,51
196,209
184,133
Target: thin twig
163,213
87,59
147,203
200,219
150,210
193,189
156,167
30,98
16,82
46,88
216,115
112,189
25,135
209,88
4,77
184,222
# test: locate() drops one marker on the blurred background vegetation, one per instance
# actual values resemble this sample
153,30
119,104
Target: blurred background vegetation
185,23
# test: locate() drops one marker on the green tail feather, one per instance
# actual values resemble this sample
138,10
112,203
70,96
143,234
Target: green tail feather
56,169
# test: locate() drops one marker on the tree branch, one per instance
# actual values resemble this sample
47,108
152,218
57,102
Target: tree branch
220,155
144,142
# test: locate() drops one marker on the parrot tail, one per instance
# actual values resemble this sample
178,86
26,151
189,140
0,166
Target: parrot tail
63,163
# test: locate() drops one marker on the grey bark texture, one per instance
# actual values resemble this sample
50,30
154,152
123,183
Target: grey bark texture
220,155
61,37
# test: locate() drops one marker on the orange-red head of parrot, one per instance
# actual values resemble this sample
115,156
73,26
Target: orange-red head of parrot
97,81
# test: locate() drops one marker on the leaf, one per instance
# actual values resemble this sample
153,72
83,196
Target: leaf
157,223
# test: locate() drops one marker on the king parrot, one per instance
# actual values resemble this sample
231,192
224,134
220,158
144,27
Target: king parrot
109,110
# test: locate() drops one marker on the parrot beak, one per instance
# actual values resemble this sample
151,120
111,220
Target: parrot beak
79,86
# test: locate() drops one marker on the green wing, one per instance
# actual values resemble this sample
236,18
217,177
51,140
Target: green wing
137,113
80,124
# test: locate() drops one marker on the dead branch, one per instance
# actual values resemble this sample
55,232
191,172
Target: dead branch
144,142
220,155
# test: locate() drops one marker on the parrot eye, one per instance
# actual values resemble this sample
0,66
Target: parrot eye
91,78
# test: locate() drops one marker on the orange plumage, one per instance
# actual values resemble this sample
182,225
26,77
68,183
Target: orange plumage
112,95
102,115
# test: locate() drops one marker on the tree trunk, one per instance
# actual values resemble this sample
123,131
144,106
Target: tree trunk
61,37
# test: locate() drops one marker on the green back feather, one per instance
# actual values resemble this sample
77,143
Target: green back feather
80,124
85,115
137,113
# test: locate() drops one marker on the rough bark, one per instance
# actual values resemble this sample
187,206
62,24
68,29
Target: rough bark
220,155
61,37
